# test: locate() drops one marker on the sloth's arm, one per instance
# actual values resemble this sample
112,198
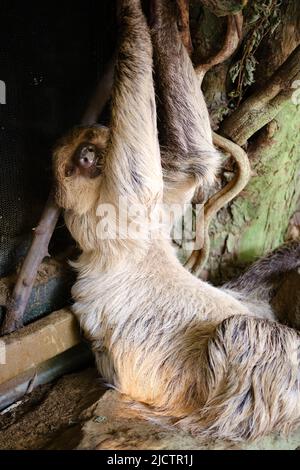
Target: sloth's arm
132,165
184,128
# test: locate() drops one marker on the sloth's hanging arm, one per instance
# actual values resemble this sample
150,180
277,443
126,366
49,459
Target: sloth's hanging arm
132,166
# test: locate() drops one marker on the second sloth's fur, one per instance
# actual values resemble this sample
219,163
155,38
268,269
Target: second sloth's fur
212,360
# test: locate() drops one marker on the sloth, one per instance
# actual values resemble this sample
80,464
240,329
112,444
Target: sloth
212,361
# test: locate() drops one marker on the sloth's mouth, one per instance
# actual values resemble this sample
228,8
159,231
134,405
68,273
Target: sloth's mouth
86,161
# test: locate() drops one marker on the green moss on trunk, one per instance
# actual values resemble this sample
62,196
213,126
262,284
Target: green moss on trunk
257,220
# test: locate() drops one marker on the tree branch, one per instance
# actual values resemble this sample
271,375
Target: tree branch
184,26
262,107
101,94
233,36
37,252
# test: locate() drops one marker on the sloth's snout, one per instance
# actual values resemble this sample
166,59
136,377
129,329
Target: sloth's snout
85,161
86,156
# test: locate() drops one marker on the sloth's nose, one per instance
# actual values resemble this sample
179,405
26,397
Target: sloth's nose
86,156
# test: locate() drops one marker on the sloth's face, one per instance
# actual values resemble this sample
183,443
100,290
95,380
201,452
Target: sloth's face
77,164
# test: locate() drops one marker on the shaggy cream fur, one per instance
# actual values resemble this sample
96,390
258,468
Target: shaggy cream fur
212,361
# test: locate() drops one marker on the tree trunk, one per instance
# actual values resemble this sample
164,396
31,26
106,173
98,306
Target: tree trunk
258,219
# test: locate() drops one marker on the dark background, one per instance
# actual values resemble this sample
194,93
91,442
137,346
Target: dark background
51,56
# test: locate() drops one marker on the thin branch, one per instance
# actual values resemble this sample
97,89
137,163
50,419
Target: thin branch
198,259
101,95
37,252
42,234
261,107
232,40
184,26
